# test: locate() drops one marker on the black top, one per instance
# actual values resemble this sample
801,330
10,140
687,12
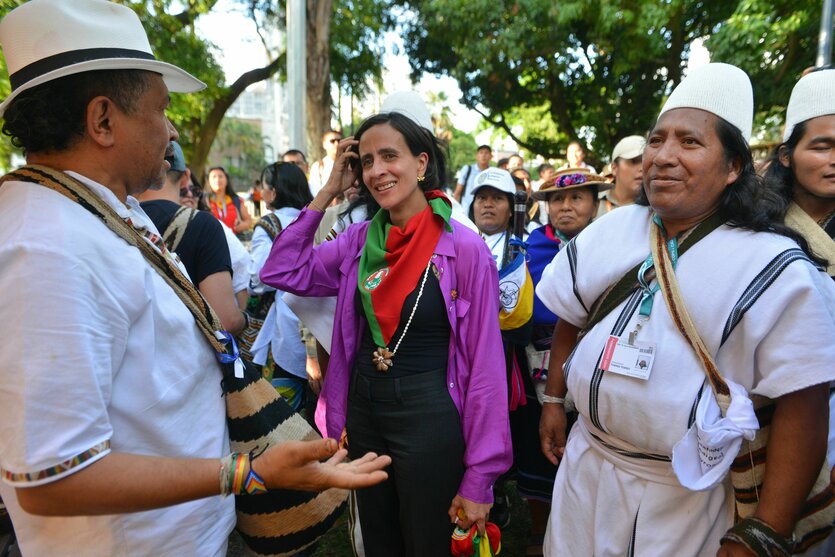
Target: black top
426,344
203,249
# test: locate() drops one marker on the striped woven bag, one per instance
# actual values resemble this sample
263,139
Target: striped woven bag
280,522
817,516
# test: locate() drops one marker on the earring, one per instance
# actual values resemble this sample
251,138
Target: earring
421,178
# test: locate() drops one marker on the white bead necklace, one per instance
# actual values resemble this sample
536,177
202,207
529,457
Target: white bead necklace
382,356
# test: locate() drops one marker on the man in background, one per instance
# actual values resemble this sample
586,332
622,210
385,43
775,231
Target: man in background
626,172
466,176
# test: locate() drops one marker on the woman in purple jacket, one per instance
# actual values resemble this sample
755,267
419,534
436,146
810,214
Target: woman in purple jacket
416,368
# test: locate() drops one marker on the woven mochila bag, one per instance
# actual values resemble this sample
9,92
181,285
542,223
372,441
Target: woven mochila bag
280,522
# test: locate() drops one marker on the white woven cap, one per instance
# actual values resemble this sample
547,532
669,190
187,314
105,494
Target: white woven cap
812,96
44,40
409,103
720,89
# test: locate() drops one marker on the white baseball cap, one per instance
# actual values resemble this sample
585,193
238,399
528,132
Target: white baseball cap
721,89
812,96
498,178
44,40
629,147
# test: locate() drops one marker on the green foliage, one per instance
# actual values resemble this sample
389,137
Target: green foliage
356,45
239,148
597,69
774,41
461,150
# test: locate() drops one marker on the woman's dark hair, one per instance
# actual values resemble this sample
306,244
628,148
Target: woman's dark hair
419,140
53,115
748,203
230,190
289,183
779,178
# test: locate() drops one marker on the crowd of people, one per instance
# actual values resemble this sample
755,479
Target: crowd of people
616,344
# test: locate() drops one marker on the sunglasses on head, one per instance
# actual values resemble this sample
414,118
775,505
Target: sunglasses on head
194,190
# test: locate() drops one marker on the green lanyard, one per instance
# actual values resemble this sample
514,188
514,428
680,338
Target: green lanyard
649,292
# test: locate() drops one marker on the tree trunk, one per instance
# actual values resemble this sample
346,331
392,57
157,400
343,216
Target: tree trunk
208,128
319,14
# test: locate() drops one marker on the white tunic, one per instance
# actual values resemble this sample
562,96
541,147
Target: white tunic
99,354
767,315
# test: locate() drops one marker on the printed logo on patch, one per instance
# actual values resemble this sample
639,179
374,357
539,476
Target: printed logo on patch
374,279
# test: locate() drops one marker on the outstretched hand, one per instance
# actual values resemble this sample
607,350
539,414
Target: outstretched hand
318,465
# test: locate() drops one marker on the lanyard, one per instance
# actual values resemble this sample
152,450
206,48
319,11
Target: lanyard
649,292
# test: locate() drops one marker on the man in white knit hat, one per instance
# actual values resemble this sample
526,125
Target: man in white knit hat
113,437
644,471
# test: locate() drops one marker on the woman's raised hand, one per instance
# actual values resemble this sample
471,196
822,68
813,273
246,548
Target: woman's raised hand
345,168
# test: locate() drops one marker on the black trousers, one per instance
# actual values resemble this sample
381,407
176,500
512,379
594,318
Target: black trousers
414,420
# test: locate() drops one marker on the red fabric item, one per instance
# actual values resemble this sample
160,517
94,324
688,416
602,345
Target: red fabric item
462,544
229,217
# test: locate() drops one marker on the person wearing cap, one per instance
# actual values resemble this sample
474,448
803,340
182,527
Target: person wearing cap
199,241
113,424
631,478
466,176
802,171
416,364
626,172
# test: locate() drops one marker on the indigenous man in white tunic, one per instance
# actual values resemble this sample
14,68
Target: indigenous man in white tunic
760,303
112,423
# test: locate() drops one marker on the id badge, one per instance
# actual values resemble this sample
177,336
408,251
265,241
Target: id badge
631,360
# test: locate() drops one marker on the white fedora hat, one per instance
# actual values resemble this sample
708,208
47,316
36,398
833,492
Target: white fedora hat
44,40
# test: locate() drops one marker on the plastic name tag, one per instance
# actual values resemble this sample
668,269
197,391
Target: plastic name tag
632,360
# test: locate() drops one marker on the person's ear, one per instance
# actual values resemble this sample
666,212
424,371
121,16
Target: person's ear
101,117
784,156
734,171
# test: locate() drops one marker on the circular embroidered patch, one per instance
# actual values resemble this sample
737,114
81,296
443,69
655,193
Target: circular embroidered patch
374,279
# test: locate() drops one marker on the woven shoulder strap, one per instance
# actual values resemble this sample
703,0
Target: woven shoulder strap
819,241
207,321
270,224
176,229
665,273
621,290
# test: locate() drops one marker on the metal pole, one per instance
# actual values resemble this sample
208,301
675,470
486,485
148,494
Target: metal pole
296,72
825,37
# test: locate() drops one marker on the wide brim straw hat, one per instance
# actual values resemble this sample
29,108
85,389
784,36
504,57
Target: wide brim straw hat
44,40
571,179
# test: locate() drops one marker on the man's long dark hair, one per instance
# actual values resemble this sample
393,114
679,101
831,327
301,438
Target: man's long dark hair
748,203
419,140
779,178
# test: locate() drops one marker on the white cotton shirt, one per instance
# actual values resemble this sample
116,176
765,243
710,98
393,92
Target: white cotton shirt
98,349
765,313
281,323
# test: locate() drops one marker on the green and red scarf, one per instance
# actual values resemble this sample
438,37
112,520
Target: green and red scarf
393,261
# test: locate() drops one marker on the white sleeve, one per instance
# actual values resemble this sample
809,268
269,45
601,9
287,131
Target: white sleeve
63,339
260,250
459,178
779,337
560,287
241,261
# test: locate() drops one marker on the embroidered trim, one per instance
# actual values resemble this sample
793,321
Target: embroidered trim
65,466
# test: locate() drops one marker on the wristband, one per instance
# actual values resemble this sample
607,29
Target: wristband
238,478
548,399
246,320
316,207
759,538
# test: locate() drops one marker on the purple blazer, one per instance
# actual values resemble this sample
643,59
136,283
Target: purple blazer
476,375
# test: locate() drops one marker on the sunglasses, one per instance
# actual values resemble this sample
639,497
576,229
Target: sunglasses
334,140
194,190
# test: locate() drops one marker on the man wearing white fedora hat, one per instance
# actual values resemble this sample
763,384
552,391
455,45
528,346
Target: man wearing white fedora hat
112,425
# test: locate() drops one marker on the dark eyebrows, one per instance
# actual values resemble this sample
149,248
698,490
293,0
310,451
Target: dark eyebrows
825,139
383,151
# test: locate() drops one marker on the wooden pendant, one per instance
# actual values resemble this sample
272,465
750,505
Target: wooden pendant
382,358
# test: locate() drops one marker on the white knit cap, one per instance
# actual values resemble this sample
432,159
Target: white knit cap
812,96
409,103
720,89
